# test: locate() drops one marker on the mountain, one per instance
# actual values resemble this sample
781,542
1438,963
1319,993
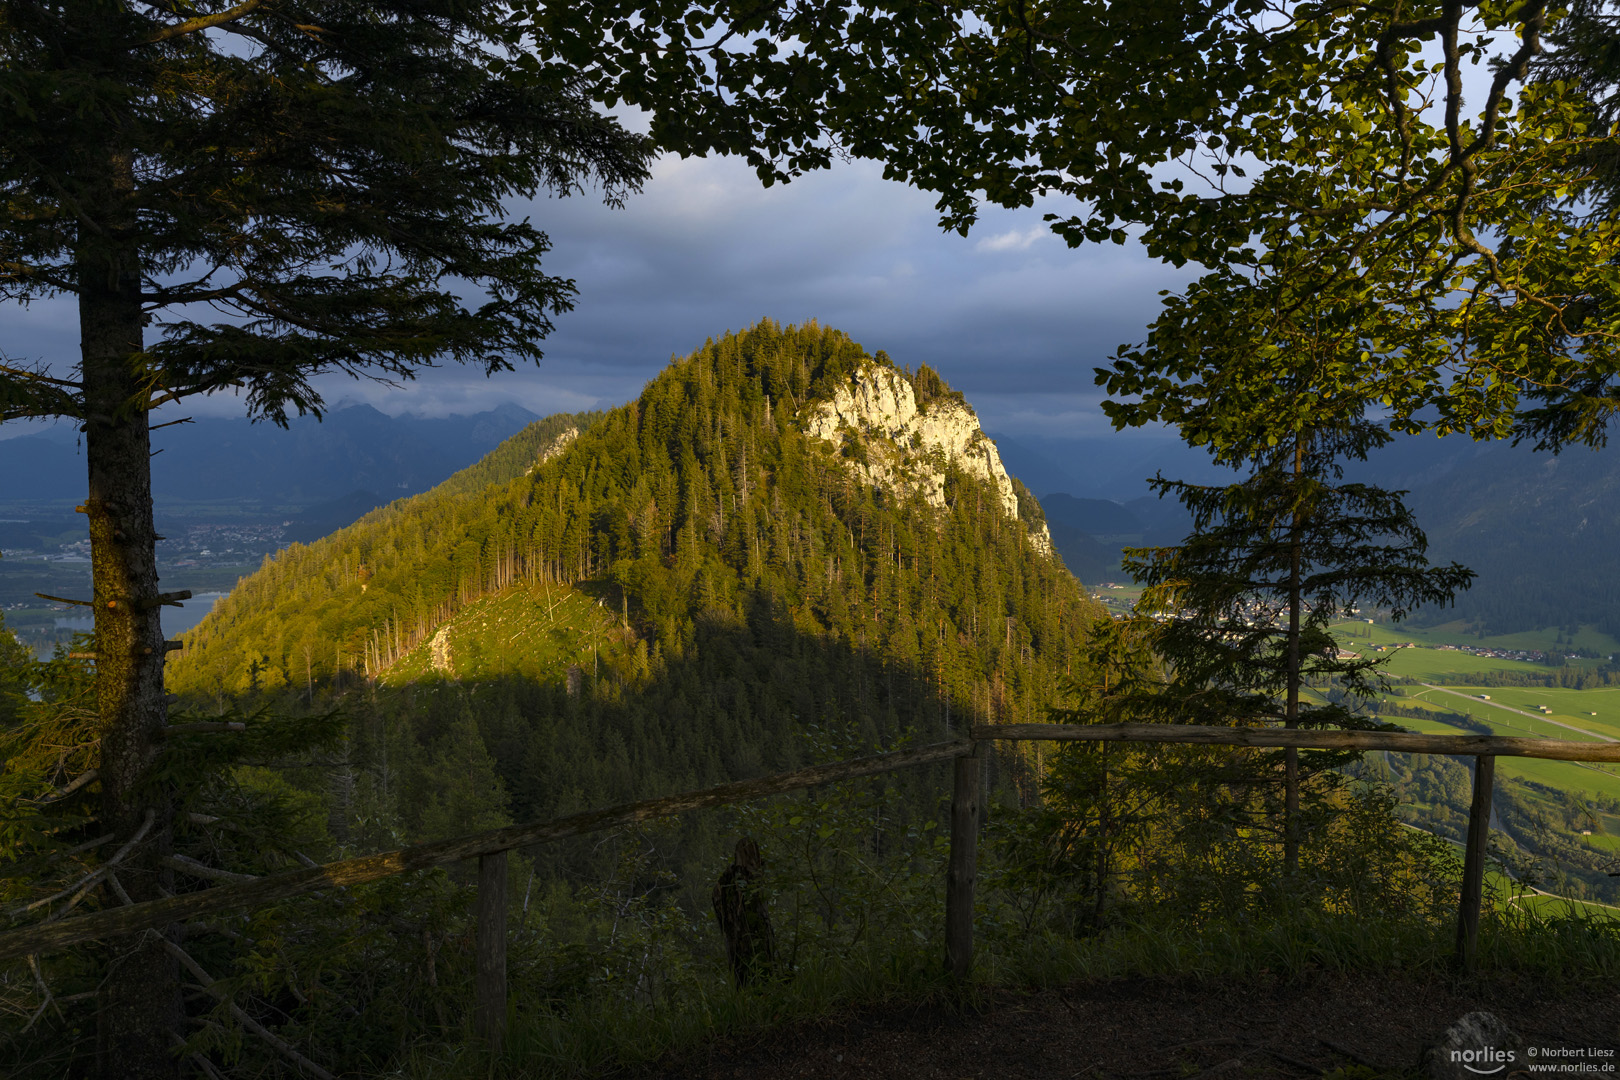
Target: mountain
1541,530
1037,468
1115,467
784,548
1102,518
352,449
1088,534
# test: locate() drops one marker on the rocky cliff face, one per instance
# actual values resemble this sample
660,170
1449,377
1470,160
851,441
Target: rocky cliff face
553,448
907,447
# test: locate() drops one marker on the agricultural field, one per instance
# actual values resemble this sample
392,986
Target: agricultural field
1457,633
1433,665
1546,640
1595,710
1516,716
1119,599
1602,781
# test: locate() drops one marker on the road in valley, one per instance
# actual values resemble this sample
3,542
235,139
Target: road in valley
1543,717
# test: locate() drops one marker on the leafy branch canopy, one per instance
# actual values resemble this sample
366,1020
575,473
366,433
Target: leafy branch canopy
1319,155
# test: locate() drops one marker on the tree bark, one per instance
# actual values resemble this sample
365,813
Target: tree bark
489,999
962,871
1476,852
1291,717
139,1005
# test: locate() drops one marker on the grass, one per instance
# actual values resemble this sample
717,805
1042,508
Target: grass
1562,907
1502,718
1537,938
1429,663
1458,633
1564,775
1546,640
1574,707
1441,666
534,630
611,1033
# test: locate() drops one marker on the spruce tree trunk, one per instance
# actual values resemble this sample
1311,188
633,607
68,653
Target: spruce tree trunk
1291,714
139,1003
1103,849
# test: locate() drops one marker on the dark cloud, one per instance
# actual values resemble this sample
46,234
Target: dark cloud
1008,314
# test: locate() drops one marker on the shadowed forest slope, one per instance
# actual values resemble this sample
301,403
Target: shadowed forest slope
662,596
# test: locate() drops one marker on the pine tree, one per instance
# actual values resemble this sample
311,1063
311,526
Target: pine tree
1247,599
241,197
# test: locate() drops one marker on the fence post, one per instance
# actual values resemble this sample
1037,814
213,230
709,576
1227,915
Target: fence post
489,998
963,868
1473,883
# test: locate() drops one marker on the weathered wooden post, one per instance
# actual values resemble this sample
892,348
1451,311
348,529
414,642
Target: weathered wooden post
964,864
489,997
1473,883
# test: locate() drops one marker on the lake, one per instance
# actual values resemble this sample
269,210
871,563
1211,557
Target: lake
176,620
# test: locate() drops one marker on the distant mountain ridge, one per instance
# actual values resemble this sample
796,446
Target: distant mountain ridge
353,449
1542,531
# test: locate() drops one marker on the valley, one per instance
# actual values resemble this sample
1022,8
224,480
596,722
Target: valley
786,551
1123,680
230,494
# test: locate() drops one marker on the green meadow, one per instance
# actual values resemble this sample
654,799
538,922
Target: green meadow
1508,717
1562,907
1596,710
1457,633
1600,780
1428,664
527,630
1585,637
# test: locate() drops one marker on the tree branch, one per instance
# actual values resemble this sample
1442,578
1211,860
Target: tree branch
205,22
275,1041
202,870
37,376
33,965
79,782
81,888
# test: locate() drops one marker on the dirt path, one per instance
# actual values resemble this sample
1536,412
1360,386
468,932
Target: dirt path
1159,1029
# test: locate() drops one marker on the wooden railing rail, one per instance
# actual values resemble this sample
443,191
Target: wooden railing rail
490,848
1404,742
115,922
1484,749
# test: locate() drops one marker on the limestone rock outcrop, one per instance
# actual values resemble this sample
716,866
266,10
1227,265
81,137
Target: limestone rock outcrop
904,448
553,448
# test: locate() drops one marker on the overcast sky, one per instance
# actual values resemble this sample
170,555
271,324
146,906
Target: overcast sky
1009,314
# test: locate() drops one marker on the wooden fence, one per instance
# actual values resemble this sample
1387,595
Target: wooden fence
490,848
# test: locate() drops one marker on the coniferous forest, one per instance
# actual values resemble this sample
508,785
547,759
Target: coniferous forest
788,551
748,587
686,590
